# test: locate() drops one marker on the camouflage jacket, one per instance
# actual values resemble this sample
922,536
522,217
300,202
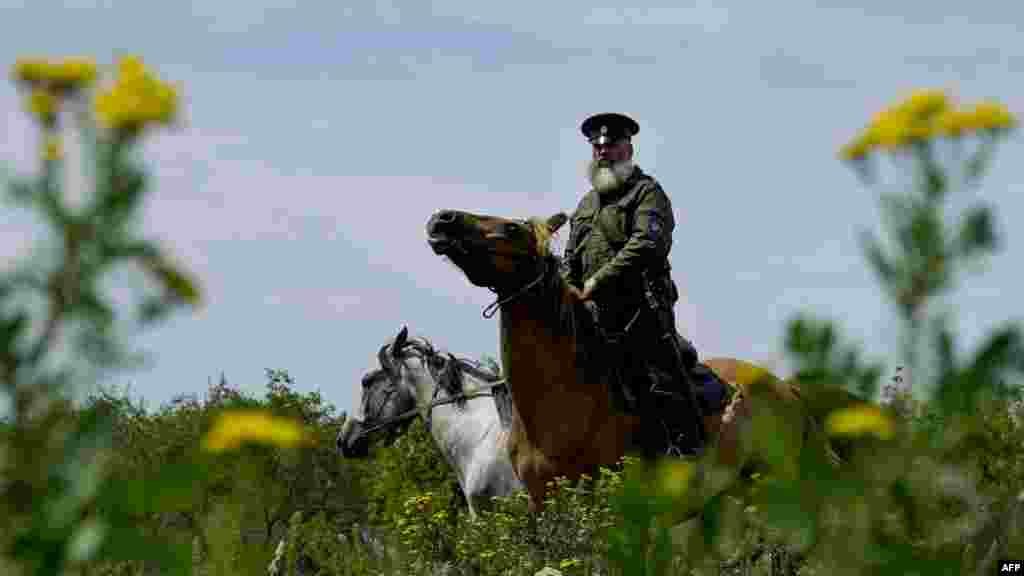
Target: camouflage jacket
613,237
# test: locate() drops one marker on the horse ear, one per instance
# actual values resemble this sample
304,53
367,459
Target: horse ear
400,340
556,221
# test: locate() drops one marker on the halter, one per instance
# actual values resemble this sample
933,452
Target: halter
480,392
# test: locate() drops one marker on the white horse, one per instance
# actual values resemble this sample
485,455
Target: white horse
465,406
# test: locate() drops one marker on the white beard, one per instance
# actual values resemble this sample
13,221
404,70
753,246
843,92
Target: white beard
605,178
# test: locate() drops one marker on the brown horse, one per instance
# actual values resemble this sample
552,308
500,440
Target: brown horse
564,421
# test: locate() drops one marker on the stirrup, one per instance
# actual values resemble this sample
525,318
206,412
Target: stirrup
674,451
676,445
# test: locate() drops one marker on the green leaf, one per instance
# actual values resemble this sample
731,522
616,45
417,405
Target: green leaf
979,161
875,255
170,488
998,353
116,209
711,520
12,327
977,233
127,543
868,381
782,505
100,348
22,192
935,181
99,314
173,279
138,249
86,540
906,502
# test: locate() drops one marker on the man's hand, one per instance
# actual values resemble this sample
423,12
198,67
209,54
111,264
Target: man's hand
585,294
576,293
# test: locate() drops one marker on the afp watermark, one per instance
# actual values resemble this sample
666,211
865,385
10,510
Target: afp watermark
1010,567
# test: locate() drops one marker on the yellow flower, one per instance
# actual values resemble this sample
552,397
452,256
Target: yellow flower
137,98
674,478
859,420
73,72
30,71
64,75
953,123
52,149
856,148
990,116
44,105
922,104
892,130
905,122
748,373
131,67
234,427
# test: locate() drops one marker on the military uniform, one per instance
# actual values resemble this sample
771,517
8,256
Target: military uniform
616,236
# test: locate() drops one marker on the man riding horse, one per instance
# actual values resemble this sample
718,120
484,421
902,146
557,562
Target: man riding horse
617,262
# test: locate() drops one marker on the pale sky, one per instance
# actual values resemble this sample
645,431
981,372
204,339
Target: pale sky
317,141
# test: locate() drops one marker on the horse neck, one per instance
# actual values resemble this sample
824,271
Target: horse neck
452,424
539,355
424,382
463,434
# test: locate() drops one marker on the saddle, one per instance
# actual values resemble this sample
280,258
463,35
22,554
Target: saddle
631,382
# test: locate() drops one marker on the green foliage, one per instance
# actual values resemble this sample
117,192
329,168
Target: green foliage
409,467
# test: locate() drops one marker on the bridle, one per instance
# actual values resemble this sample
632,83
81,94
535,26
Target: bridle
493,307
482,391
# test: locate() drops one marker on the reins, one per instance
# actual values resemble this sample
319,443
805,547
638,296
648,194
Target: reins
493,307
430,406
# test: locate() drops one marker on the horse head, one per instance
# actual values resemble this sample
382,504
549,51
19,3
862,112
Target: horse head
385,395
411,375
493,252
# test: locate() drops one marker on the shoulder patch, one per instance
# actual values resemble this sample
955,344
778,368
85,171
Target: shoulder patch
654,225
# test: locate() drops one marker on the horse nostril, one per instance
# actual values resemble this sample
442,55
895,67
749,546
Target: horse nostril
441,222
443,219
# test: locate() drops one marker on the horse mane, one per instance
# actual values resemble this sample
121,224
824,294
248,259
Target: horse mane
451,377
571,317
542,235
